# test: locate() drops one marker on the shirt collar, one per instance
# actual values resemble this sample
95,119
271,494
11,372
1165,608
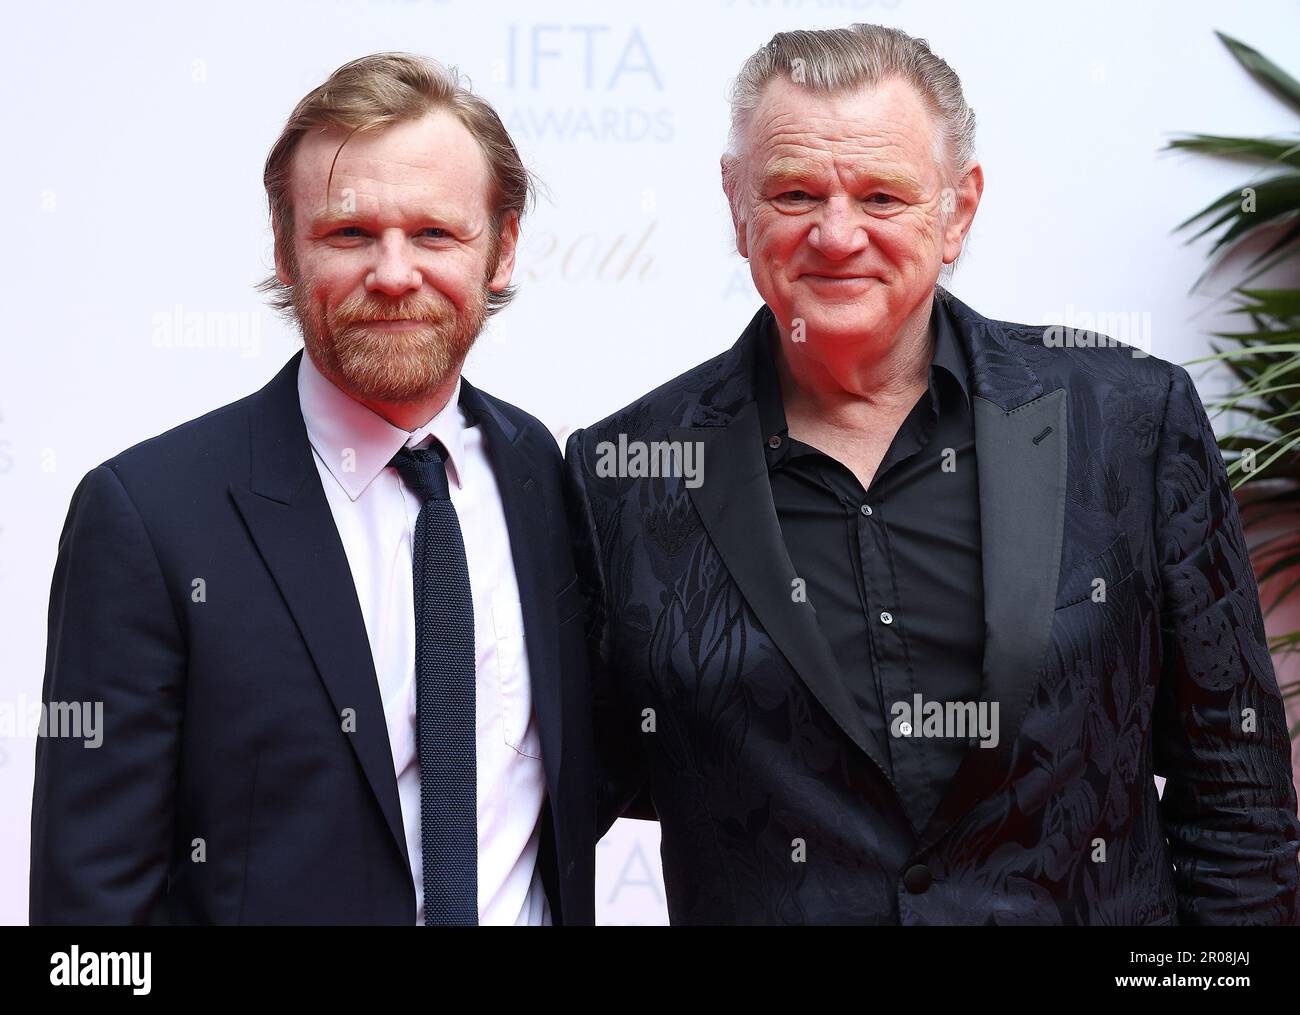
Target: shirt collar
949,352
949,355
356,444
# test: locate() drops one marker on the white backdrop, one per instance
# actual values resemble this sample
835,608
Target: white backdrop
132,165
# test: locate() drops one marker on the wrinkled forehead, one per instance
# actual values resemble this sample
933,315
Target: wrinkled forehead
884,129
400,170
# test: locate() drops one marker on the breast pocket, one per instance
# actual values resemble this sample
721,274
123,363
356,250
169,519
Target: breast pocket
1092,579
518,725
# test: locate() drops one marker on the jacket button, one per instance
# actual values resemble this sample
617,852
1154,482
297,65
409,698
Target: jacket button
917,879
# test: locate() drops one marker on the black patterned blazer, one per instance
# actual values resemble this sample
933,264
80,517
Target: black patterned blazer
719,703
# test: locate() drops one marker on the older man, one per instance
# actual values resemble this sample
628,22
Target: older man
938,597
327,623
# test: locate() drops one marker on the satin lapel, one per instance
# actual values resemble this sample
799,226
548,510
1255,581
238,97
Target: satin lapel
1022,458
1022,454
734,501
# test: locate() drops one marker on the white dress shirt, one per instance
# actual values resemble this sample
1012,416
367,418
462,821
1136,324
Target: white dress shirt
375,514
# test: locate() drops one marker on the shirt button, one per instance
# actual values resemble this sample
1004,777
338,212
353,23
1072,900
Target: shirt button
917,878
774,441
886,618
866,509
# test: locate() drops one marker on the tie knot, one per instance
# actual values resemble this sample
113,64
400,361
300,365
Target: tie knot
424,471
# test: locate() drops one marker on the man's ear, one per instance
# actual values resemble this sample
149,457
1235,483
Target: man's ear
731,187
281,269
509,242
965,200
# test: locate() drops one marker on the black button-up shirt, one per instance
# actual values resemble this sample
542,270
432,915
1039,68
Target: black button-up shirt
893,572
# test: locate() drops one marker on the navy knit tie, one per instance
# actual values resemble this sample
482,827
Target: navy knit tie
444,695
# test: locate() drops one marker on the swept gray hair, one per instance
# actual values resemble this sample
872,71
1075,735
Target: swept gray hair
842,59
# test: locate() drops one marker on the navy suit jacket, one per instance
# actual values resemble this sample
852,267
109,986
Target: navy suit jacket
720,706
226,789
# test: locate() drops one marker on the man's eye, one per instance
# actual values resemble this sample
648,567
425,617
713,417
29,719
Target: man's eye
888,199
349,232
434,229
794,196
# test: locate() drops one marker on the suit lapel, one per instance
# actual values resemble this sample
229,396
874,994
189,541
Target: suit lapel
1021,454
1021,451
290,520
734,503
512,459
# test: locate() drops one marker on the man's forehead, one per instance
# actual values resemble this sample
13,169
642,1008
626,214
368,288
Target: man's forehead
412,158
871,120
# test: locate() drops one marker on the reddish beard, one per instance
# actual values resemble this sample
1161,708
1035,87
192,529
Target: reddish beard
389,366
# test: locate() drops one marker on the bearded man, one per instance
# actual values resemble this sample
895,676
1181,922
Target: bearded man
333,625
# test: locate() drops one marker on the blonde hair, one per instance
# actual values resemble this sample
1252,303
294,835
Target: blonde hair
376,91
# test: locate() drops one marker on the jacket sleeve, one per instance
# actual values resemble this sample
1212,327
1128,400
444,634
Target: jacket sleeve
1220,735
622,785
102,813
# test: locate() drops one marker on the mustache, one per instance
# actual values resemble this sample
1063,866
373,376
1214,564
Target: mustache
429,311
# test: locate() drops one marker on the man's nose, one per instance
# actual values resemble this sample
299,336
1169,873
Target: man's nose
839,231
394,272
